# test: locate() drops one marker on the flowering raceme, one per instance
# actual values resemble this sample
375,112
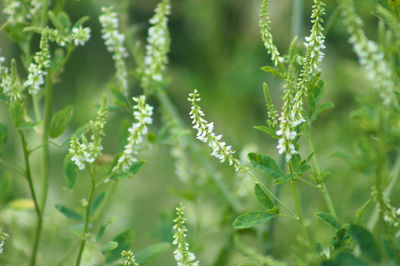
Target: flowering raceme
142,113
87,152
182,254
205,133
114,41
157,47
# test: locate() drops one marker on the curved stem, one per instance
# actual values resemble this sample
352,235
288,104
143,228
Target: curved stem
87,216
171,109
323,189
28,176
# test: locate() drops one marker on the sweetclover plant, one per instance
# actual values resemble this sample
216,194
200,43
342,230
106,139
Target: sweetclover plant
276,200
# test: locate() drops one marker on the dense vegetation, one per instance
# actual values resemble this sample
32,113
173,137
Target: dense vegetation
108,155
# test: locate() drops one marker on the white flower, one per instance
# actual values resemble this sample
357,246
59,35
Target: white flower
206,134
80,35
37,70
182,254
114,41
3,237
157,47
142,113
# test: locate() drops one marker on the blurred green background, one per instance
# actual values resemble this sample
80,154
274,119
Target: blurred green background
216,48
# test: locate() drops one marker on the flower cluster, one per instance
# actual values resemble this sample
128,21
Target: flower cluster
142,113
205,133
129,258
182,254
37,70
292,114
390,214
114,41
315,43
157,47
80,35
266,34
21,11
86,152
77,36
9,82
3,237
370,55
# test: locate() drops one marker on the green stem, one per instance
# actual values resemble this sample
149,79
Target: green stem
28,176
322,186
45,141
171,109
87,217
269,192
296,201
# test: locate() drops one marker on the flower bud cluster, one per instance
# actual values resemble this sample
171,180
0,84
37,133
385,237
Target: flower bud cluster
205,133
114,41
157,47
3,237
266,34
142,113
18,11
38,69
129,258
182,254
370,55
86,152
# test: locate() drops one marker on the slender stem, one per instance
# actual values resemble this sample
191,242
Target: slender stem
296,201
87,216
255,179
28,176
322,186
15,168
171,109
45,141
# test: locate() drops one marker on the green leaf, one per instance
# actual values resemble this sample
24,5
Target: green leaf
273,71
71,214
77,229
70,171
250,219
268,130
266,165
360,212
262,197
97,202
151,253
345,258
133,170
103,228
28,125
124,240
108,246
366,242
320,109
16,111
329,219
60,121
283,179
3,136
